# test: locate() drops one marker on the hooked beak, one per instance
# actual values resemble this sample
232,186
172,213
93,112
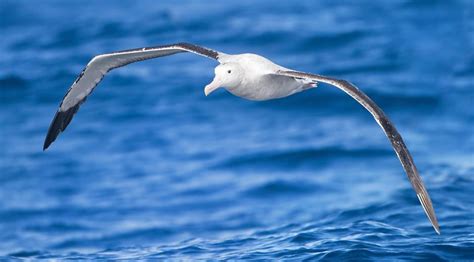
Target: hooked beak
215,84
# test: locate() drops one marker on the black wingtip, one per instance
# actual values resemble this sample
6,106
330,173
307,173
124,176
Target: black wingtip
60,121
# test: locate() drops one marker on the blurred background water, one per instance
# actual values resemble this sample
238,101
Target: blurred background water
151,168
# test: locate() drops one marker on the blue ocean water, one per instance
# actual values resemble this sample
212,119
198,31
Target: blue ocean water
151,168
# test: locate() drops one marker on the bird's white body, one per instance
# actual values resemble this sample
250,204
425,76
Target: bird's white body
258,79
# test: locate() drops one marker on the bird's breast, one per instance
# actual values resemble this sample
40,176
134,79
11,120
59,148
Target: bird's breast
268,86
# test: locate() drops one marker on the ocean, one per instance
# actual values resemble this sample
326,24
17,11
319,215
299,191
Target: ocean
150,168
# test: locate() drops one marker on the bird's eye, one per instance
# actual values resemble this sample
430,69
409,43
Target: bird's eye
229,71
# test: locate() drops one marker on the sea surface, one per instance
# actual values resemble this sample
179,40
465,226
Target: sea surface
150,168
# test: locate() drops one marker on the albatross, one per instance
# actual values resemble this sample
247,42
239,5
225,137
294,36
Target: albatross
249,76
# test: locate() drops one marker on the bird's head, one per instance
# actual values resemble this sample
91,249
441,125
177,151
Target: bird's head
228,75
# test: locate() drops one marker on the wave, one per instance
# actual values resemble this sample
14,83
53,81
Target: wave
282,187
291,158
13,82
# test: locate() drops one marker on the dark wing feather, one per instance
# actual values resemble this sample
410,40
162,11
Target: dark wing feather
391,132
60,121
96,70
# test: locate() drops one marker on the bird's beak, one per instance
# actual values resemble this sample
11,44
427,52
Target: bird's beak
215,84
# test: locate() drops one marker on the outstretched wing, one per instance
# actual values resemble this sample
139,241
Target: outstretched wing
96,70
389,129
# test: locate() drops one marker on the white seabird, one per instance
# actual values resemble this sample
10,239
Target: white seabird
245,75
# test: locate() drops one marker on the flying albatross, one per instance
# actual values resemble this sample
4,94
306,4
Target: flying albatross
248,76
